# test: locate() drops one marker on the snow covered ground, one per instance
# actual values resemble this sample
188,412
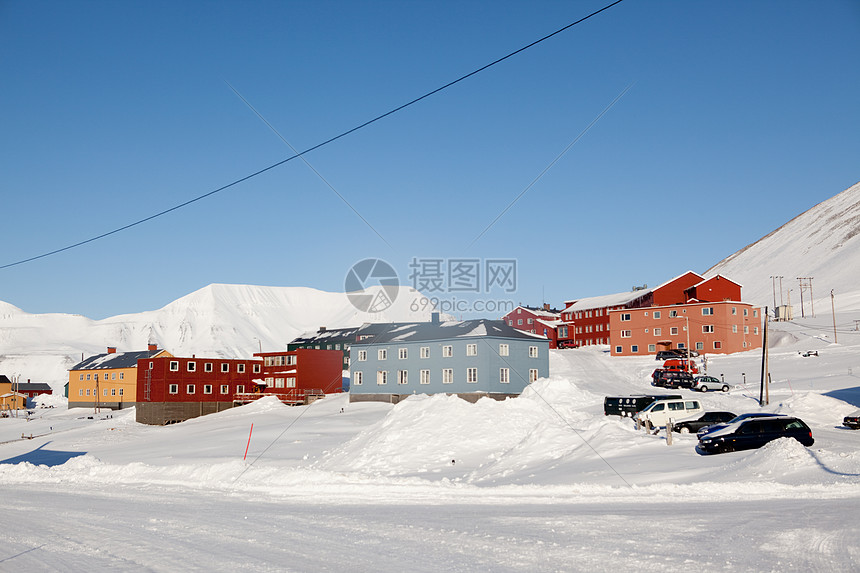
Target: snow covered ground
543,482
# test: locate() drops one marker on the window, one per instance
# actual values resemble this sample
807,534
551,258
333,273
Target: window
447,351
682,345
381,377
533,351
673,313
189,389
530,321
734,310
150,365
279,382
504,350
358,378
510,323
225,367
192,366
403,377
708,328
424,352
240,389
328,347
174,366
625,316
657,314
755,330
658,331
471,350
626,333
105,391
88,391
120,391
291,381
755,313
207,388
88,376
225,388
472,375
207,367
121,375
504,375
735,328
746,312
425,377
256,368
746,329
533,375
618,350
337,346
240,368
113,376
113,391
174,389
362,355
382,354
652,348
634,348
717,345
708,311
402,353
82,377
81,392
519,322
700,345
673,331
447,376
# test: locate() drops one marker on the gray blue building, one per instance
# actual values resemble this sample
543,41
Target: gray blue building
471,358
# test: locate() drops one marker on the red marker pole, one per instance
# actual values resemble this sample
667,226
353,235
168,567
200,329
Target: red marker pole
249,441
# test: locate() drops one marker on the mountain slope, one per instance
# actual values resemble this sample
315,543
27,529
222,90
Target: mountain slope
823,243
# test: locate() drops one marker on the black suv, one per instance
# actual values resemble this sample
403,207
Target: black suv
671,378
701,421
754,433
668,355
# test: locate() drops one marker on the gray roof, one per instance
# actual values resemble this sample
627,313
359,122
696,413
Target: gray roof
427,331
34,387
3,379
114,360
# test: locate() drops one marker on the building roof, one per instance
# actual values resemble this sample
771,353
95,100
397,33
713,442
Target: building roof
114,360
551,313
617,299
718,277
448,330
4,379
34,387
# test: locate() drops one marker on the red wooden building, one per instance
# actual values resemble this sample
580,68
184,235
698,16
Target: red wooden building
541,321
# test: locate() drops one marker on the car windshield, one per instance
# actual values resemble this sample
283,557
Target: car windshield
745,416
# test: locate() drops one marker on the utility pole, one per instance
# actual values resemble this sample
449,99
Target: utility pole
802,315
780,291
764,373
773,281
833,308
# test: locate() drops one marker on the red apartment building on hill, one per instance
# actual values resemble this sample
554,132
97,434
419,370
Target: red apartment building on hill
542,321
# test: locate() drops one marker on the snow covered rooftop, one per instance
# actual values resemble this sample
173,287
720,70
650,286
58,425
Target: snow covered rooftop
605,300
423,331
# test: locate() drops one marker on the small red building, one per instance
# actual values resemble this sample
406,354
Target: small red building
302,372
541,321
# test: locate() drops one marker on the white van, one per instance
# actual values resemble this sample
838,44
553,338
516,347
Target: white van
661,411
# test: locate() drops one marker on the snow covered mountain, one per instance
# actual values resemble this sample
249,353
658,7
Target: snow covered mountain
823,243
218,321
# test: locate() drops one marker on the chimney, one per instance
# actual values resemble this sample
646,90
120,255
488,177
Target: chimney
434,318
546,306
153,347
322,329
111,350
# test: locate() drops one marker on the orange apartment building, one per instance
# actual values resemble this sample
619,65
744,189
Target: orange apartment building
721,327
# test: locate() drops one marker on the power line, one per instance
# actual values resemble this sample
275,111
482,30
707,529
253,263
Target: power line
310,149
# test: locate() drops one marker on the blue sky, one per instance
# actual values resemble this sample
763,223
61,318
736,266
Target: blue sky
740,116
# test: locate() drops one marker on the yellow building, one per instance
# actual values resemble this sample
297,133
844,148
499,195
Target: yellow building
108,380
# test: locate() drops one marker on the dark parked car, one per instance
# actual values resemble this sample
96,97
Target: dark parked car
754,433
671,378
700,421
626,406
852,421
669,354
708,429
705,383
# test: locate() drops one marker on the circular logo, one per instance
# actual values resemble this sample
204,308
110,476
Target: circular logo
372,285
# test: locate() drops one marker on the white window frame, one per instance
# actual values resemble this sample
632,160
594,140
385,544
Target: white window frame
707,328
174,367
381,377
533,375
471,350
207,367
382,354
240,368
207,388
447,376
471,375
402,353
533,352
424,377
403,377
504,375
190,389
225,388
447,351
625,317
362,355
707,311
504,350
424,352
626,333
225,367
358,377
657,314
191,366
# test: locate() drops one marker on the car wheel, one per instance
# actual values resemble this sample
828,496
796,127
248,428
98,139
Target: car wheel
703,388
684,430
725,387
